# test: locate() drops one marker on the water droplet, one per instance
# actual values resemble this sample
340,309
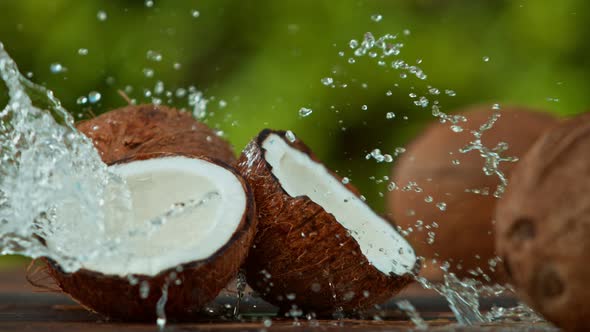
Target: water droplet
353,43
83,51
389,93
450,93
407,32
456,128
315,287
390,115
364,107
304,112
351,60
376,17
153,56
430,239
101,15
56,68
428,199
159,87
195,13
399,150
149,3
434,91
391,186
180,92
422,102
144,289
222,103
496,107
455,162
486,58
345,180
81,100
290,136
327,80
148,72
441,206
94,97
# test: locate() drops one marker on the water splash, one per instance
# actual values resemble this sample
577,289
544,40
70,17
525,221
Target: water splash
390,46
492,156
413,314
50,171
462,295
241,285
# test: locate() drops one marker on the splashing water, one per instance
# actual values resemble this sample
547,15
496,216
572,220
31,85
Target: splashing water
47,167
492,156
410,310
389,45
57,198
462,295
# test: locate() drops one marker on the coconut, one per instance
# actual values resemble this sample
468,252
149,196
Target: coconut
463,225
318,247
125,132
185,255
543,225
190,256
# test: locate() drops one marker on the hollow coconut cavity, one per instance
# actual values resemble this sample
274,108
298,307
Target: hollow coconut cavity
319,246
192,250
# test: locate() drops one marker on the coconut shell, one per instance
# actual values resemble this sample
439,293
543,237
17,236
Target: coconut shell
200,281
543,225
134,129
322,271
465,232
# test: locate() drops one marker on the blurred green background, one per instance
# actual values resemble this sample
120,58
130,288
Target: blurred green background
259,62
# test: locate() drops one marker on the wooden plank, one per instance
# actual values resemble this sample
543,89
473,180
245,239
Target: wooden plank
23,309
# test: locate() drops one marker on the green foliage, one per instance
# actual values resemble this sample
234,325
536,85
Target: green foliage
266,59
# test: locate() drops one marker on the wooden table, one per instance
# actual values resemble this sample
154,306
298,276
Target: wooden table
25,308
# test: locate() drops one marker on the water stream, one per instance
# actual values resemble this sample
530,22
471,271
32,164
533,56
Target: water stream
49,168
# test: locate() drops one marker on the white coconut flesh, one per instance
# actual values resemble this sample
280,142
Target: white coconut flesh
299,175
156,186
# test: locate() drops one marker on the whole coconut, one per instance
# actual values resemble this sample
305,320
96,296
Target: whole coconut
460,220
543,225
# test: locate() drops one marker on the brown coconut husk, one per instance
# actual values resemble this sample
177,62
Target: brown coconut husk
465,233
128,131
322,272
201,281
543,225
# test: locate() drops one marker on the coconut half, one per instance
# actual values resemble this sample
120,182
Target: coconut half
318,245
194,253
